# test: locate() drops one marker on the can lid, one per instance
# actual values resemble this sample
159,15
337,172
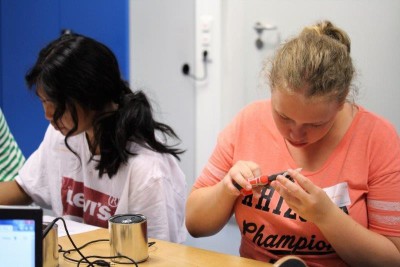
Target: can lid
128,218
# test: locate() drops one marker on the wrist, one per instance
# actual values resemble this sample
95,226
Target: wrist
331,215
227,193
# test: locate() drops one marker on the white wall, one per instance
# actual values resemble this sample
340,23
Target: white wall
161,41
373,26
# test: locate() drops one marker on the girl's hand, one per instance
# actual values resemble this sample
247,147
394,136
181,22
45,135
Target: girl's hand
306,199
239,174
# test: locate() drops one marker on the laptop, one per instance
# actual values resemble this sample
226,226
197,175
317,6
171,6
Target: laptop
21,236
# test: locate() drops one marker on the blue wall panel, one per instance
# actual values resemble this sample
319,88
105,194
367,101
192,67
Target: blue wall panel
103,20
26,26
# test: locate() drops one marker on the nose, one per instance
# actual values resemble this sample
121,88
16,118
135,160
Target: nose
297,133
48,111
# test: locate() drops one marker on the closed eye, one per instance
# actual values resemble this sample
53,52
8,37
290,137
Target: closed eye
317,125
284,118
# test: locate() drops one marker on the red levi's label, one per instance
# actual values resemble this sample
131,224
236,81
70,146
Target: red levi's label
93,206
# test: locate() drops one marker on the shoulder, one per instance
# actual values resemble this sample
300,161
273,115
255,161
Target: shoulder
254,113
374,124
4,130
153,163
2,120
256,107
52,134
376,136
255,116
149,169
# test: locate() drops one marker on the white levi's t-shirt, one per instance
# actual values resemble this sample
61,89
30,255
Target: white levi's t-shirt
150,183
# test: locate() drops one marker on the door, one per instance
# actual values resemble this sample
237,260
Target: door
162,40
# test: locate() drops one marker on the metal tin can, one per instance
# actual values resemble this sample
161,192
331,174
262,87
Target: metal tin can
128,237
50,246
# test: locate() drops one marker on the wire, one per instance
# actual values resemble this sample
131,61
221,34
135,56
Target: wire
47,229
85,259
100,262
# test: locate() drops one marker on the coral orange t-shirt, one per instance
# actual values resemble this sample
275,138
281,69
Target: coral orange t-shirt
362,176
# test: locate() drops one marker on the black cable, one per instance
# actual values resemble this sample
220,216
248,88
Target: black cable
97,262
105,263
85,259
84,245
47,229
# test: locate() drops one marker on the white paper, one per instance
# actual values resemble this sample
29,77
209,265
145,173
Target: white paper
72,226
339,194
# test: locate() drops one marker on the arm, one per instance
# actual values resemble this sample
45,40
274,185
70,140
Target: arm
213,203
354,243
12,194
357,245
216,202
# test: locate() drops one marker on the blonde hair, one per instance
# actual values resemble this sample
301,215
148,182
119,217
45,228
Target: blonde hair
317,62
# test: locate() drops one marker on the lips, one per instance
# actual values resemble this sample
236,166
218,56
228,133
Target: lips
297,144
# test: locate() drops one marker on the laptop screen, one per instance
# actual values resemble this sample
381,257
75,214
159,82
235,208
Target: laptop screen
21,236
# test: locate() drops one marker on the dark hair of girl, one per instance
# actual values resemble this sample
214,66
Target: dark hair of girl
77,70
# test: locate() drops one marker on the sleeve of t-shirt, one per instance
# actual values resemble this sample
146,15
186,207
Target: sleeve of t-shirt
383,200
11,157
158,191
32,176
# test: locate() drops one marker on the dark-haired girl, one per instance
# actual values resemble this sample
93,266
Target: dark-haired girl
103,152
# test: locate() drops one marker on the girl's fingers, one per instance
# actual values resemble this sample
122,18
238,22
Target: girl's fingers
303,181
239,181
290,188
241,172
287,195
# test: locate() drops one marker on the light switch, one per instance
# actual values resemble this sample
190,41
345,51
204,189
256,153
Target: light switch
206,23
205,39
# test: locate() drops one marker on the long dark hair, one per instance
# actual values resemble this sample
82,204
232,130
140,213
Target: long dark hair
77,70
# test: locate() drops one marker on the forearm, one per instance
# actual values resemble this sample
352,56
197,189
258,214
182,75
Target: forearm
12,194
208,209
357,245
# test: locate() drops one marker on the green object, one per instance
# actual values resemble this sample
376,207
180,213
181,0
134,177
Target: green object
11,157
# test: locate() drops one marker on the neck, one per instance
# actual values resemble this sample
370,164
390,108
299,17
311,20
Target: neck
89,133
90,139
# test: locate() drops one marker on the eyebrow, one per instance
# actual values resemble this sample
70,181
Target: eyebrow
307,123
